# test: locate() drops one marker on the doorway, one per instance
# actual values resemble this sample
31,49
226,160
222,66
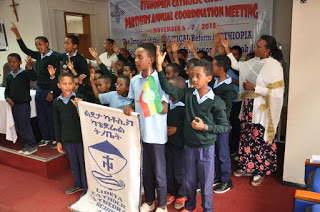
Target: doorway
79,24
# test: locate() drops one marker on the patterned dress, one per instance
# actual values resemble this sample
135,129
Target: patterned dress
256,155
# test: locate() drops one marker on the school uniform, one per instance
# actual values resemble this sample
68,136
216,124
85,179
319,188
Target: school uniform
18,90
175,151
199,145
68,131
234,115
44,108
154,136
227,93
114,100
79,63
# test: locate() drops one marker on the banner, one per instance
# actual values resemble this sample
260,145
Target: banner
137,21
112,150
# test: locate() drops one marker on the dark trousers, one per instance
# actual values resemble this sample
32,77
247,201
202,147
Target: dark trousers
76,158
21,116
154,173
175,171
235,124
199,168
45,114
222,159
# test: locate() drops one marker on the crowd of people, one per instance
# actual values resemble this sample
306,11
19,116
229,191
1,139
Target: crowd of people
187,144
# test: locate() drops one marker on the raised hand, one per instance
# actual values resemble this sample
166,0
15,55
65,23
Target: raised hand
163,38
28,62
71,67
224,42
175,45
92,73
15,30
93,52
51,70
75,101
217,38
81,78
189,45
160,58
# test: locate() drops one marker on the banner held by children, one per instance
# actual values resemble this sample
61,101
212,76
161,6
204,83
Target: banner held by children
112,150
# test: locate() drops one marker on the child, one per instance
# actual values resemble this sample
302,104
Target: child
224,89
130,70
17,94
204,117
72,57
44,96
119,67
115,99
173,70
175,149
153,131
108,57
190,65
68,131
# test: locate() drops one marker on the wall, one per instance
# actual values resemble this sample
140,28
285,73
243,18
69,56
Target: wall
304,99
29,27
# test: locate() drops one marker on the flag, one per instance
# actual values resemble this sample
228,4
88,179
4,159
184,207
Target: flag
150,99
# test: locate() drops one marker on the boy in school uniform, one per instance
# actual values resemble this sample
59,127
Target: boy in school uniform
204,117
44,96
68,131
224,89
175,149
153,130
17,94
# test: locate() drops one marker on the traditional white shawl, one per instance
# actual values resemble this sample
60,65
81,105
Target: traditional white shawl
267,75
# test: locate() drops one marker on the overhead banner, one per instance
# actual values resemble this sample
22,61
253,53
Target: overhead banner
137,21
112,150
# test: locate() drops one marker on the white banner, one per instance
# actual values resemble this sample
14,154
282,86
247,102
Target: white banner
112,150
138,21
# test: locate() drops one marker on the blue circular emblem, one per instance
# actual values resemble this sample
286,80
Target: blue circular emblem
148,96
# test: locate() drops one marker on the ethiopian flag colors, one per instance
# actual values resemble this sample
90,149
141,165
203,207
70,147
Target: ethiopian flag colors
150,99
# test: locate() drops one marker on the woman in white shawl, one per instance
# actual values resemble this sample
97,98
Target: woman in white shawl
261,87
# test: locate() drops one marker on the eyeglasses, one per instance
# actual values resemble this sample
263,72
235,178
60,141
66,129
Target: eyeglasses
120,84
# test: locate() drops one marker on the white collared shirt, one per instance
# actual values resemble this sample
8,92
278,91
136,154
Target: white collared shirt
74,54
153,128
14,75
47,55
173,106
209,95
65,100
226,81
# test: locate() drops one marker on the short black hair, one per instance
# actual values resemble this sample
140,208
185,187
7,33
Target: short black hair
15,55
132,67
74,39
179,81
123,60
191,62
107,79
150,48
250,55
207,66
110,40
65,74
236,47
126,78
98,72
175,67
208,58
183,51
223,61
44,39
202,52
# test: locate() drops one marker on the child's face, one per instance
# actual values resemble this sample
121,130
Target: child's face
76,85
119,67
69,46
143,60
96,76
126,71
14,64
216,69
103,86
66,85
236,54
199,78
122,87
170,73
42,46
180,55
